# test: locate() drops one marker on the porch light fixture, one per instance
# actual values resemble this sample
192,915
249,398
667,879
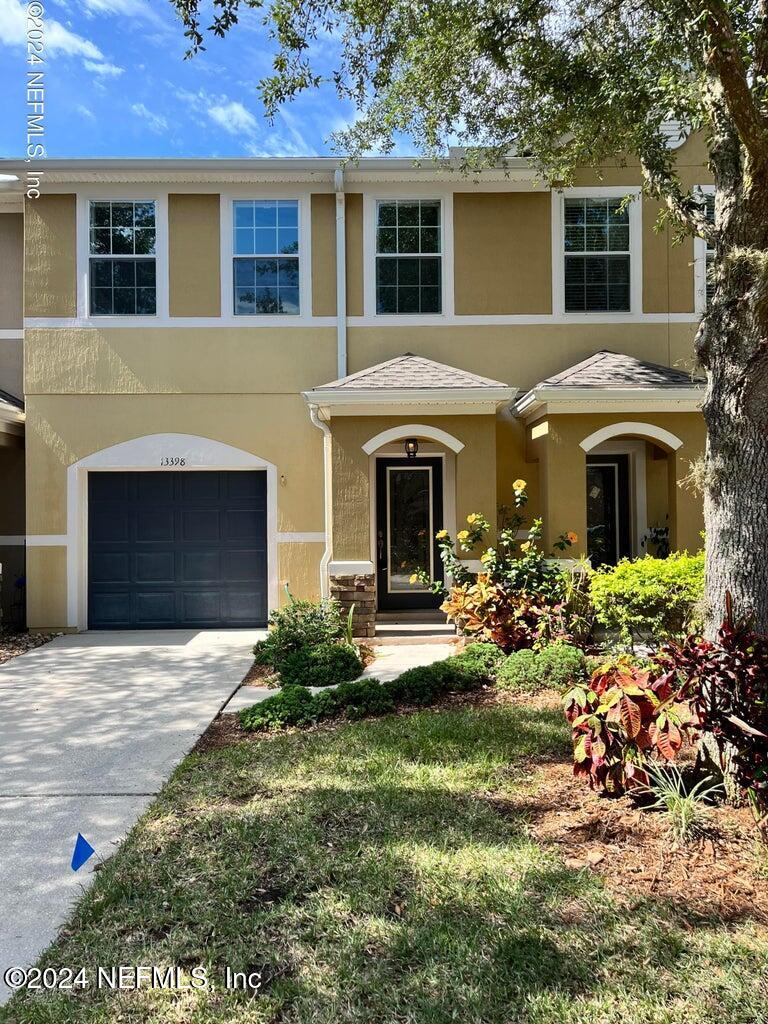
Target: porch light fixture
411,447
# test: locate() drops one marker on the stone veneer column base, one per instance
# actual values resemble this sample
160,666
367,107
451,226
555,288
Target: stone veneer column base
359,591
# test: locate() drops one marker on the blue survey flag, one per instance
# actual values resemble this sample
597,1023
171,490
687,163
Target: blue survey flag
83,851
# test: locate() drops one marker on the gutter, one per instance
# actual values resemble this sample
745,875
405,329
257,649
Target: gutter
341,272
325,587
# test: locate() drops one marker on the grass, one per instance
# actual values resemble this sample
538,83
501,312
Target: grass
366,874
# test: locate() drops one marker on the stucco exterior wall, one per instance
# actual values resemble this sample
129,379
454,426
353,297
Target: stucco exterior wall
194,277
50,256
354,244
475,469
502,252
521,354
11,269
323,207
564,473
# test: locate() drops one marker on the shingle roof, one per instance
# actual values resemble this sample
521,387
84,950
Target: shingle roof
410,373
613,370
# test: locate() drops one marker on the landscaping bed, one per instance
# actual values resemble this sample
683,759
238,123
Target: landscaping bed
416,867
12,644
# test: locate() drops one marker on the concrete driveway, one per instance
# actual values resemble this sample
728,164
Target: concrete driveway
90,727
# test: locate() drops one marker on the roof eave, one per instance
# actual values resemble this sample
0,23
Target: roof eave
400,396
561,399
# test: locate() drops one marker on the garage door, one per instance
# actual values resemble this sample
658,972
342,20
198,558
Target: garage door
184,549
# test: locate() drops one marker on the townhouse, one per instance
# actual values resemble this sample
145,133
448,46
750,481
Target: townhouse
246,375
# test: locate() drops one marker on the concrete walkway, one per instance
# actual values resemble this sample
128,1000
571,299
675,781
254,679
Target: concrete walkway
390,662
90,727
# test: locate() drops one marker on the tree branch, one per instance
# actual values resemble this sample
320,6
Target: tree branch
683,206
722,55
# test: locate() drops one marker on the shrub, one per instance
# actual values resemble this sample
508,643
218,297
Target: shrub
649,596
685,807
621,718
558,666
561,665
491,612
299,624
519,672
322,665
726,681
488,657
296,705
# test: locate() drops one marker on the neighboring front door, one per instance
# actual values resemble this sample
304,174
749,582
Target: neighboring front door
409,512
608,516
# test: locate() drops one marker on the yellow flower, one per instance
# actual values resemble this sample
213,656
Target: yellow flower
414,578
486,556
441,535
462,535
472,518
525,546
571,537
519,485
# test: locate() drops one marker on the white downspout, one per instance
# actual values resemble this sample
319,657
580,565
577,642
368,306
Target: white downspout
341,272
325,586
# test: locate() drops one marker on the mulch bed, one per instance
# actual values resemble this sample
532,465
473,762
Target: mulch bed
12,644
721,876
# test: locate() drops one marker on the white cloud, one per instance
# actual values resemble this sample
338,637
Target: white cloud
58,39
102,68
233,118
155,122
83,111
136,9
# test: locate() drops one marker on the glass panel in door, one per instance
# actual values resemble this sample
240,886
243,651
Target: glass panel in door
410,530
602,514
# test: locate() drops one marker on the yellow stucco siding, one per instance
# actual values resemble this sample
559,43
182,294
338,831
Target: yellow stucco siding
323,254
47,587
63,429
475,468
194,360
299,570
668,274
502,252
12,264
564,470
354,247
521,354
50,256
194,279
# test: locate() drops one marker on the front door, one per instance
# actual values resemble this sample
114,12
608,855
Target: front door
608,516
409,512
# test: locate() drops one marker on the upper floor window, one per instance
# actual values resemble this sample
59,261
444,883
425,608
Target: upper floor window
121,246
408,256
596,256
266,256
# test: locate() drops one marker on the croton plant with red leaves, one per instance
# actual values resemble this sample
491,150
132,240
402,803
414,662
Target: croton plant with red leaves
621,717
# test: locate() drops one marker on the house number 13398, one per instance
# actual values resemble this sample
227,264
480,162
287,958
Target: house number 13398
172,460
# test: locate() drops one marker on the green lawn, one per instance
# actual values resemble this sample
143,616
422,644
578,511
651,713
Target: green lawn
363,871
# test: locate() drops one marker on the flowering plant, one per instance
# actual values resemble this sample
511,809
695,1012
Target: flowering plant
509,600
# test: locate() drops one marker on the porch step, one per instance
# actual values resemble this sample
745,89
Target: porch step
426,628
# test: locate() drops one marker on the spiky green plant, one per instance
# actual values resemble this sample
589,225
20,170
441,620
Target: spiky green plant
685,807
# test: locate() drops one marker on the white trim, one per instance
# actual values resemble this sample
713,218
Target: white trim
635,254
413,430
46,540
301,538
187,322
12,540
561,399
226,210
14,334
649,430
146,453
700,261
350,569
371,317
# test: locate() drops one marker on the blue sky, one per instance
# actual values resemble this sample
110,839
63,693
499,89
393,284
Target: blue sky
117,85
